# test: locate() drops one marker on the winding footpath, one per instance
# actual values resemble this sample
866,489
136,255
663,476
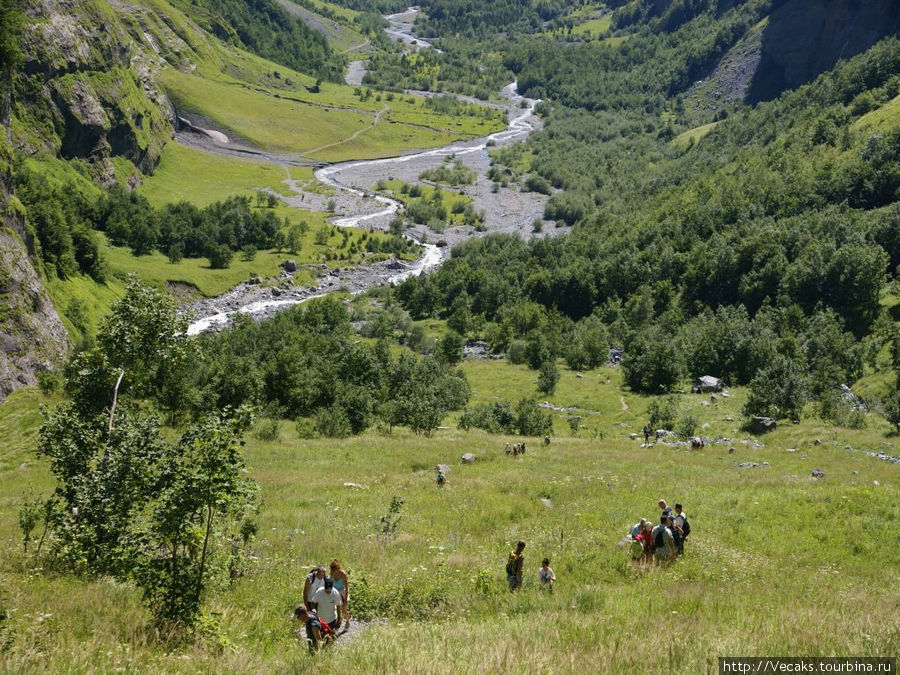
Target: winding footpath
512,212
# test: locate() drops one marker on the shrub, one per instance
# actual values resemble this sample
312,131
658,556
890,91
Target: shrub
531,420
548,377
266,429
333,422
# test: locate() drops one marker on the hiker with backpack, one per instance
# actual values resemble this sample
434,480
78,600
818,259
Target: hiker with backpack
663,542
328,603
681,522
676,533
441,479
318,634
514,566
314,581
647,429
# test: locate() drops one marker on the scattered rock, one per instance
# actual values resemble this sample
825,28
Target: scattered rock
276,292
633,436
713,398
762,425
791,450
752,465
855,473
477,349
731,451
817,442
615,356
704,403
818,473
443,468
707,383
546,502
875,483
289,266
468,458
354,486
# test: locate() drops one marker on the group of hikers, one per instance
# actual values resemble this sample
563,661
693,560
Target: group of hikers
326,592
663,542
515,570
515,450
325,602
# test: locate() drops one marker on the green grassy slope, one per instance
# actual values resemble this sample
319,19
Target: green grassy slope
816,547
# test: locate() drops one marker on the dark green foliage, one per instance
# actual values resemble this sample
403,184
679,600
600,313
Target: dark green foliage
203,489
266,28
779,390
450,347
471,68
548,376
652,364
773,235
527,419
129,503
531,420
62,217
662,412
304,363
496,418
454,173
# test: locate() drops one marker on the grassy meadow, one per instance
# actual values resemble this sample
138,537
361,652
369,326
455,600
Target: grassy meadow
334,124
778,563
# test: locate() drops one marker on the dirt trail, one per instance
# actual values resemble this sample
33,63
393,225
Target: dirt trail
375,120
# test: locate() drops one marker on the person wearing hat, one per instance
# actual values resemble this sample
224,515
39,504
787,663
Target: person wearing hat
314,581
328,603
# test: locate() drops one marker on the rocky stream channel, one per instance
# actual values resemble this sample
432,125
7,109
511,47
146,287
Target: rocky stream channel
506,210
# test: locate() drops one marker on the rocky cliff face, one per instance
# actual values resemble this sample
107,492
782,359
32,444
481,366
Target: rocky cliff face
87,87
32,336
804,38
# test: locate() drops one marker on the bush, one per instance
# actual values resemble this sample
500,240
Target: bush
266,429
495,418
687,426
548,377
531,420
332,422
662,412
49,382
219,256
777,391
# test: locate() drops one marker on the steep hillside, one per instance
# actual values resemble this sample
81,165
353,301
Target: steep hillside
804,38
87,89
32,337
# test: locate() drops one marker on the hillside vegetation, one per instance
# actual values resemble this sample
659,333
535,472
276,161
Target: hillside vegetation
729,207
